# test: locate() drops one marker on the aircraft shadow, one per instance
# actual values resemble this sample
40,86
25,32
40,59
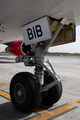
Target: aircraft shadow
8,112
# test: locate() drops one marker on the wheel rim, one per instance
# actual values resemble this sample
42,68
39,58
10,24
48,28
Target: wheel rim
19,93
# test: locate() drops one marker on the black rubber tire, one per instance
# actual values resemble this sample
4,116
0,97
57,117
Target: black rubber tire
52,95
31,87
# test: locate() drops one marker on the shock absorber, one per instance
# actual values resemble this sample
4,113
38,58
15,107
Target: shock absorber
39,73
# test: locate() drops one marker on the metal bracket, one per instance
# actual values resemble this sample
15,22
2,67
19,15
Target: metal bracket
41,62
52,73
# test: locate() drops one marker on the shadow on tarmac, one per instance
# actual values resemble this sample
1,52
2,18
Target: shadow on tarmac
8,112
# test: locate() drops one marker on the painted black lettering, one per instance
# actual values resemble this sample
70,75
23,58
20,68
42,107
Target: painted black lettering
38,31
30,34
34,32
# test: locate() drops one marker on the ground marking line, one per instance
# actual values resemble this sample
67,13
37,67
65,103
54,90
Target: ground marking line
5,71
3,84
4,94
44,114
76,101
47,115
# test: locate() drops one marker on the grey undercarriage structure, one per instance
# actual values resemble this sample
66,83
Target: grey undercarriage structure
43,88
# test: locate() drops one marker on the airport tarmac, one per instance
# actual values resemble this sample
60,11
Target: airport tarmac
67,108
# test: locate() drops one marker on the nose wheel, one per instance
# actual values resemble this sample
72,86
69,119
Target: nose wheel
25,92
52,95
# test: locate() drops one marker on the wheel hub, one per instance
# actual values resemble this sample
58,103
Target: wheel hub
19,93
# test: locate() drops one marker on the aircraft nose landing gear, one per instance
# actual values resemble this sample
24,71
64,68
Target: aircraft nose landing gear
29,91
26,89
44,88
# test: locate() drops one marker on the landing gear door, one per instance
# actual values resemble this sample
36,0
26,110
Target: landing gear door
66,35
37,31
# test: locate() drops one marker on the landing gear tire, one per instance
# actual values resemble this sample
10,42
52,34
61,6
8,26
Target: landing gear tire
25,92
52,95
